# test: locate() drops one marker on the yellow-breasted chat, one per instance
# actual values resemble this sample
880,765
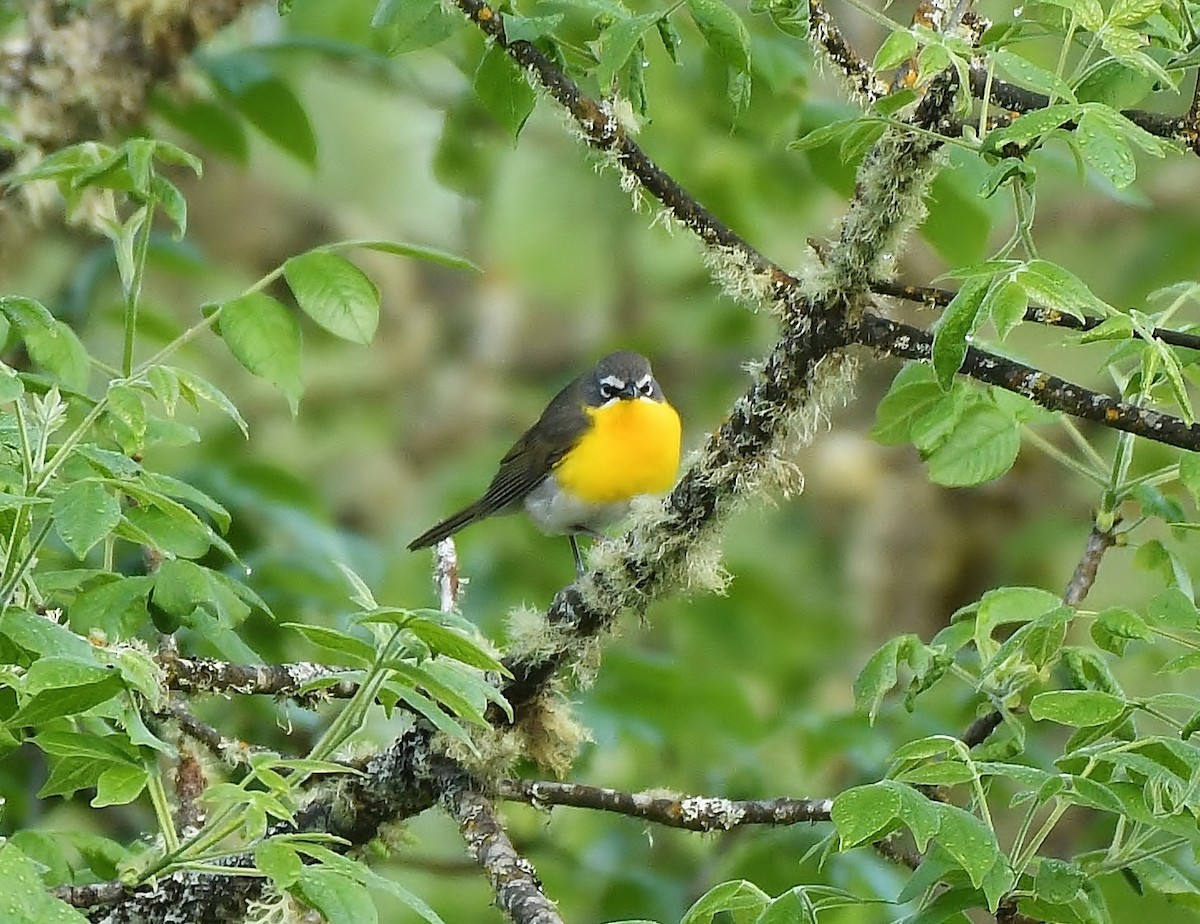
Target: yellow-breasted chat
609,436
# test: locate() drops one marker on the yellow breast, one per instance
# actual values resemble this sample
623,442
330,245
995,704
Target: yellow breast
631,448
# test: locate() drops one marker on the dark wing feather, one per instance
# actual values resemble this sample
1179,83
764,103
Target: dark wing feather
524,466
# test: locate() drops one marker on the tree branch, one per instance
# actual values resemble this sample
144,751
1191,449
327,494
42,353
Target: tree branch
207,675
693,813
1047,390
933,297
518,890
1017,99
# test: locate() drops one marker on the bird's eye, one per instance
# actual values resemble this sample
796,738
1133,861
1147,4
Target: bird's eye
608,390
646,387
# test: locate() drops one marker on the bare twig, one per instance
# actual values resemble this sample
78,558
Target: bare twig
693,813
1099,541
518,890
89,896
207,675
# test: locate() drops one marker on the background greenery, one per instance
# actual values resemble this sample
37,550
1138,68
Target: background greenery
744,695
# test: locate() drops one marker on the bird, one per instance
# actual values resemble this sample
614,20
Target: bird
607,438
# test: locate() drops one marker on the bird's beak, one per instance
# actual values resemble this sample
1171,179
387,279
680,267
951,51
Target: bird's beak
629,392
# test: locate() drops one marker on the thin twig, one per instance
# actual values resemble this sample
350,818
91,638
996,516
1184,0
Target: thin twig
934,297
513,878
693,813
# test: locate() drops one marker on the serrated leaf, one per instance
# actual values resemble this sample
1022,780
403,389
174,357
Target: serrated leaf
1105,151
618,42
723,31
117,608
83,515
1028,74
265,338
195,388
26,899
1078,708
504,90
1060,289
983,446
1032,125
966,838
339,899
335,293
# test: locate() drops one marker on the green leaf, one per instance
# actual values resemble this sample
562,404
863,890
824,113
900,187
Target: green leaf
51,343
879,674
913,394
452,644
618,42
1032,125
410,25
265,338
1105,151
960,319
83,515
209,122
248,81
355,649
897,48
26,900
724,32
66,700
42,636
119,786
982,447
279,861
1116,626
1060,289
966,838
335,293
1005,305
196,389
1057,880
339,899
863,812
1030,75
1079,708
737,895
104,748
504,90
116,607
1131,12
126,418
416,251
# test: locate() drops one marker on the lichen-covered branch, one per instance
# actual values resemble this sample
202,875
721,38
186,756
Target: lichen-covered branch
81,69
518,890
208,675
934,297
1047,390
1184,128
693,813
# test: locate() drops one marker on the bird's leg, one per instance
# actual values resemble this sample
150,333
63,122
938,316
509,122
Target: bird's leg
575,552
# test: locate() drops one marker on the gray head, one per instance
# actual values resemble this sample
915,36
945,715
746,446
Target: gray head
623,375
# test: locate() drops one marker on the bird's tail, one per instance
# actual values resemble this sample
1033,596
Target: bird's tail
448,526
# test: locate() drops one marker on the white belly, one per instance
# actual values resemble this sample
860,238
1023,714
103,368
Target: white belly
557,513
